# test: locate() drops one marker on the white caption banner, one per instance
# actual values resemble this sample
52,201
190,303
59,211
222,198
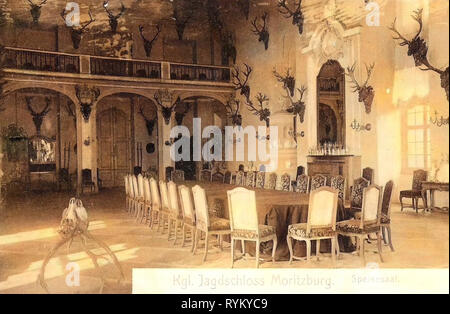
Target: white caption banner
289,281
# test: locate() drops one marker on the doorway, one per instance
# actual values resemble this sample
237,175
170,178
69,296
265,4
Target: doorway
114,140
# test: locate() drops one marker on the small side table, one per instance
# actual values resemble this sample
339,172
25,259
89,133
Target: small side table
430,186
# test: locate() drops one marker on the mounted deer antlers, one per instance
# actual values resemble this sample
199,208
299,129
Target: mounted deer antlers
35,10
288,80
262,32
418,49
76,33
261,112
238,83
297,107
38,117
233,107
365,92
297,16
149,123
148,44
166,111
113,19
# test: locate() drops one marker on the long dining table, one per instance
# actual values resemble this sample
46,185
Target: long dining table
274,208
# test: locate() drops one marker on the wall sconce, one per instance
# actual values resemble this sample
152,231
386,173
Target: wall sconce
295,135
360,127
439,121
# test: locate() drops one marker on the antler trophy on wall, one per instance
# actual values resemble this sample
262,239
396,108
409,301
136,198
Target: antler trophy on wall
261,111
38,117
76,33
297,108
148,44
365,92
242,83
113,19
297,15
162,96
35,10
87,96
288,80
262,32
233,107
149,123
418,49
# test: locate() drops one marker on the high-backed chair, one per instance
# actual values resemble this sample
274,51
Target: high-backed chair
260,180
356,194
178,176
369,222
415,193
251,179
338,183
187,206
386,214
206,175
244,223
272,182
156,204
369,174
302,184
318,181
147,200
321,223
175,217
206,224
227,178
86,180
285,182
240,178
165,204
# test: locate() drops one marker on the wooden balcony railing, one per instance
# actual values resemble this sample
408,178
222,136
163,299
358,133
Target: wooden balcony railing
43,61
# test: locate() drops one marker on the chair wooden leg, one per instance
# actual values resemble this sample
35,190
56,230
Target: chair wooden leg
194,238
169,228
274,249
361,250
221,242
384,235
243,247
291,253
184,235
338,250
417,205
206,246
390,238
308,250
196,241
333,249
401,203
232,252
380,247
257,253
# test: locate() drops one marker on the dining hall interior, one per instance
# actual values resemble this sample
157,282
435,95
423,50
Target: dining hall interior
350,97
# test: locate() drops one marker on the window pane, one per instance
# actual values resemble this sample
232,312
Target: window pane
419,136
411,161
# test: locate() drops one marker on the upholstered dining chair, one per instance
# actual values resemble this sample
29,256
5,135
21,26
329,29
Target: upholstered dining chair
338,183
356,194
368,174
205,175
285,182
156,204
187,207
321,223
318,181
165,205
260,180
369,222
272,182
206,224
302,184
244,223
240,178
147,200
415,193
251,179
175,217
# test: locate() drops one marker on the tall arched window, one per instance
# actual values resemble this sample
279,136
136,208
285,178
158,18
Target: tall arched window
417,141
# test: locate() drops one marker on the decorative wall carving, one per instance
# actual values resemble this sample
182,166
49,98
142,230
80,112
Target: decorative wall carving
87,96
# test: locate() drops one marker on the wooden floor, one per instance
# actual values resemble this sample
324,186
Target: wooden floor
28,225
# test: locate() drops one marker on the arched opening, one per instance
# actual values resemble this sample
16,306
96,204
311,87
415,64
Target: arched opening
331,104
127,137
38,135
